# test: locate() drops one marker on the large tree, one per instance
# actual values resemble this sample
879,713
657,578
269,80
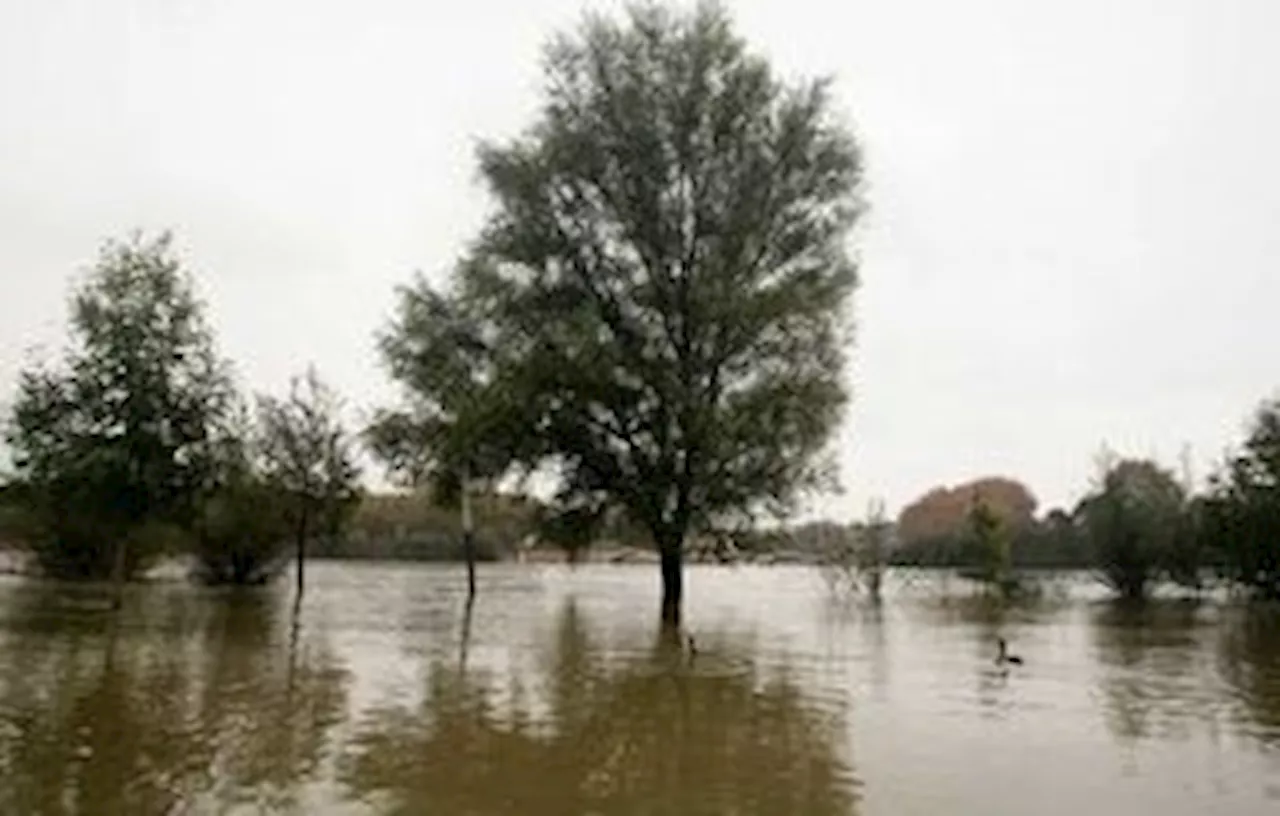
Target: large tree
119,436
665,278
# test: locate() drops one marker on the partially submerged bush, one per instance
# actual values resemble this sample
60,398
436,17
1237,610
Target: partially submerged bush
1133,520
243,536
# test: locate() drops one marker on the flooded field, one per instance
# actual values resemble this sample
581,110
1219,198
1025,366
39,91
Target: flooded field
558,695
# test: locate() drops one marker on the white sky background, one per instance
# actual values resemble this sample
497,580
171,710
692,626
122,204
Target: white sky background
1074,236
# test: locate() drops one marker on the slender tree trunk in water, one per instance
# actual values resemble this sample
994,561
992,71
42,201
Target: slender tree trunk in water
117,573
466,633
302,553
294,628
468,538
671,557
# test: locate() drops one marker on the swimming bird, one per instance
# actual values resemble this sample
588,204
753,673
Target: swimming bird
1004,656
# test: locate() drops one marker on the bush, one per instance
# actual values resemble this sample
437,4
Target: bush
1133,520
243,536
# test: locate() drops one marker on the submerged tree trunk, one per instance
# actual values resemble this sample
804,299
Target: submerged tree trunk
671,555
466,633
117,573
301,553
468,538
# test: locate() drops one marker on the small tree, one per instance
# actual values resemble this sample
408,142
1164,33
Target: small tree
443,354
989,541
308,459
118,437
666,277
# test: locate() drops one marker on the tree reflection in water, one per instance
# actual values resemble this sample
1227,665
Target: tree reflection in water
1249,661
270,703
191,699
653,736
1156,680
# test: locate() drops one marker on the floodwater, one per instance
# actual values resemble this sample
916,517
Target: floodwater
558,695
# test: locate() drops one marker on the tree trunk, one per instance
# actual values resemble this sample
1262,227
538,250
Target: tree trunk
466,633
302,553
671,555
117,573
468,538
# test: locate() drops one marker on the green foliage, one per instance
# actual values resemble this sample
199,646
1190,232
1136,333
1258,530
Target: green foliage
459,415
244,535
1242,510
286,475
661,291
990,544
308,459
16,522
1134,520
1190,553
119,435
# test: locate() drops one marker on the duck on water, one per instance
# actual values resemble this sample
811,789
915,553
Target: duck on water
1004,658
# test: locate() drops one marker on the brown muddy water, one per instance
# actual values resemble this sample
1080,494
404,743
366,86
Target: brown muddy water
560,696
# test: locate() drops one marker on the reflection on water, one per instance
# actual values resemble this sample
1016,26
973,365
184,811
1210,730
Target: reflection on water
657,736
1249,659
182,699
1158,676
555,694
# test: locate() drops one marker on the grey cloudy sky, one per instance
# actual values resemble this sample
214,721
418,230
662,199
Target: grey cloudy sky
1075,204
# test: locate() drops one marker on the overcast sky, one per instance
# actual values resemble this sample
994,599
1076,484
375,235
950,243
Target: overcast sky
1074,237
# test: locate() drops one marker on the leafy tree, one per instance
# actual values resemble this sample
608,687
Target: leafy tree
118,436
1133,520
308,459
1242,510
665,278
990,544
456,426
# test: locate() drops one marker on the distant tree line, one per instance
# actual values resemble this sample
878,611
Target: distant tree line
413,526
1138,527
